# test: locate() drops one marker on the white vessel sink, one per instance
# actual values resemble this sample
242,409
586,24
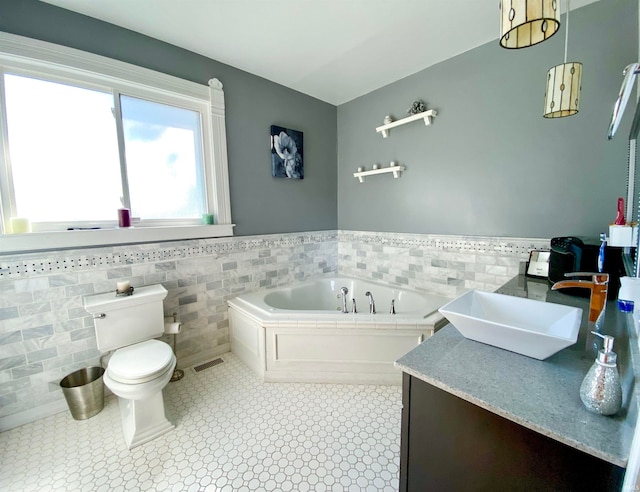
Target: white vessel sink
533,328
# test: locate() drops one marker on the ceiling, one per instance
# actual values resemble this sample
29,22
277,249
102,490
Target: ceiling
334,50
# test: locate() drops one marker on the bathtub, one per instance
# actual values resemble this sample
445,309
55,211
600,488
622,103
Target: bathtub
300,334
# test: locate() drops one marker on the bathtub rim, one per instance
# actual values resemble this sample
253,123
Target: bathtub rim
253,304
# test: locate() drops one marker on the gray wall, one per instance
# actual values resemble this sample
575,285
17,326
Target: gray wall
260,204
491,164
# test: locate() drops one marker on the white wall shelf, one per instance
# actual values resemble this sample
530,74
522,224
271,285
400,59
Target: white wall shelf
393,168
388,123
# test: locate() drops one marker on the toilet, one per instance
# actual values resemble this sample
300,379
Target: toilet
139,367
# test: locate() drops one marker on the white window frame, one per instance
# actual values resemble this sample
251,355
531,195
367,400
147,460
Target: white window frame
28,56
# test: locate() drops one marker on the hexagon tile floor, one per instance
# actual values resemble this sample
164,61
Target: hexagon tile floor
233,433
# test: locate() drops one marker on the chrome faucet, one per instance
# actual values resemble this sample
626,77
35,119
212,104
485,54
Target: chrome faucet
597,303
354,310
372,304
344,291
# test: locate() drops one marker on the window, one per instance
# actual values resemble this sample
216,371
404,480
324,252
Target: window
63,152
84,135
163,147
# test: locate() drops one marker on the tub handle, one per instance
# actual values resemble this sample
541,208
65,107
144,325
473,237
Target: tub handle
372,304
99,316
393,306
343,293
354,310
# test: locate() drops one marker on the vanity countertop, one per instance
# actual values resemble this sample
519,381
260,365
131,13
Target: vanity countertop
540,395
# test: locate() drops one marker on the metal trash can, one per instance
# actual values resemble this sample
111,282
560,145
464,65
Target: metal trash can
84,392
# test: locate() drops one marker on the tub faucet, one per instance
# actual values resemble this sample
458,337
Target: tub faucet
344,291
372,304
597,303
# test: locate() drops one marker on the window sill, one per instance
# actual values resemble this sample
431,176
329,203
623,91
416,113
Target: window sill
47,241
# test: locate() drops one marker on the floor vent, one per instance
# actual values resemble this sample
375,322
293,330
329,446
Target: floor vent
207,365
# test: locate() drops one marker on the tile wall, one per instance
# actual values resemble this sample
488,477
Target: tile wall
436,264
45,333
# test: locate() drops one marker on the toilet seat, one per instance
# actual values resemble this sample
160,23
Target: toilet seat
140,362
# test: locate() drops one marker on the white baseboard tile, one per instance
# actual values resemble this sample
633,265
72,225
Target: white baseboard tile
28,416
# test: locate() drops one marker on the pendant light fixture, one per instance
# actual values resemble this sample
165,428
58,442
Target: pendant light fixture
562,97
527,22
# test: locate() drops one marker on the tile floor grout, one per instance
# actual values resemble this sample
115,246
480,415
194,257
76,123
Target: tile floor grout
233,433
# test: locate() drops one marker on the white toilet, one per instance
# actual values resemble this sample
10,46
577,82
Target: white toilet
140,367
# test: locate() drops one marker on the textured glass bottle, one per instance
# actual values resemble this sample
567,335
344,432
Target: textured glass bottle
600,390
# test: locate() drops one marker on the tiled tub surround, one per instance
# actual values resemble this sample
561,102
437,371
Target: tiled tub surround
436,264
45,333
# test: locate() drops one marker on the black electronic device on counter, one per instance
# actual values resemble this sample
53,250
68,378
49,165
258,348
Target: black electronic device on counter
579,254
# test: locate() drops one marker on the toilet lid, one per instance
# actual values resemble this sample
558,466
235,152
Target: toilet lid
140,362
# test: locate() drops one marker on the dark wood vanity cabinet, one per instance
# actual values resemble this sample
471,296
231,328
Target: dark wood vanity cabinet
453,445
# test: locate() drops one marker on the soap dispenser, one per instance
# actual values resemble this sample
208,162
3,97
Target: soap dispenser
600,390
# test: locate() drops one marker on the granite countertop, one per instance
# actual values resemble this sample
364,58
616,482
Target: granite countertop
540,395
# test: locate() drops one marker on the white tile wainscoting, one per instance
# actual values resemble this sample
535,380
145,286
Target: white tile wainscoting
45,333
436,264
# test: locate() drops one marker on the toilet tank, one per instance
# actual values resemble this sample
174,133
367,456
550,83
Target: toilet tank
124,320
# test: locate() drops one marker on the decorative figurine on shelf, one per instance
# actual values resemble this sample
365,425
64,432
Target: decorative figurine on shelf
417,107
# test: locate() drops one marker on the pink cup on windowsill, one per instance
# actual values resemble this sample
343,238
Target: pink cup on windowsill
124,217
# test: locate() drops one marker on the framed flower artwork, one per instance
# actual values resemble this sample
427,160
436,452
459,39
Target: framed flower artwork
286,153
